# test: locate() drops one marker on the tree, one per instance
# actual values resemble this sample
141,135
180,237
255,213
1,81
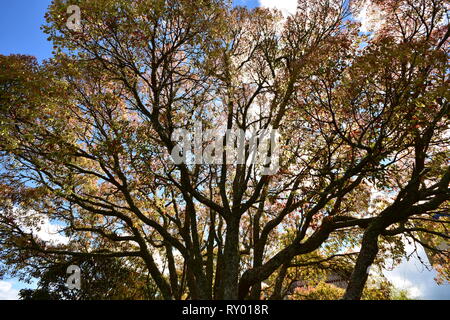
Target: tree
423,188
101,279
87,139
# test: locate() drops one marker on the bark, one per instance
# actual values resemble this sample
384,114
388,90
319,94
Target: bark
172,271
369,250
277,291
257,262
192,284
231,259
162,284
210,255
258,244
218,287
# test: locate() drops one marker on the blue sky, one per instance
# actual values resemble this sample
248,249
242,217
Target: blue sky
20,22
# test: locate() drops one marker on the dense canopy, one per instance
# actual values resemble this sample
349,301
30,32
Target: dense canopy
86,141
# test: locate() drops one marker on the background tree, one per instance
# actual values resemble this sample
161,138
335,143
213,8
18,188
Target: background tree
101,279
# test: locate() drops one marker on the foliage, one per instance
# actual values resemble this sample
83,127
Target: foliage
101,279
86,139
323,291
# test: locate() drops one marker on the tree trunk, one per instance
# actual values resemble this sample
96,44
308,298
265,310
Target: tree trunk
369,250
255,292
218,287
278,290
231,260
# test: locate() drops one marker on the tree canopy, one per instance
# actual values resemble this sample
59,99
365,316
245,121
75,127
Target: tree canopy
86,142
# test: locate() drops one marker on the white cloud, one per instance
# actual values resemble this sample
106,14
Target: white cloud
413,276
50,232
7,292
285,6
41,226
402,283
370,16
